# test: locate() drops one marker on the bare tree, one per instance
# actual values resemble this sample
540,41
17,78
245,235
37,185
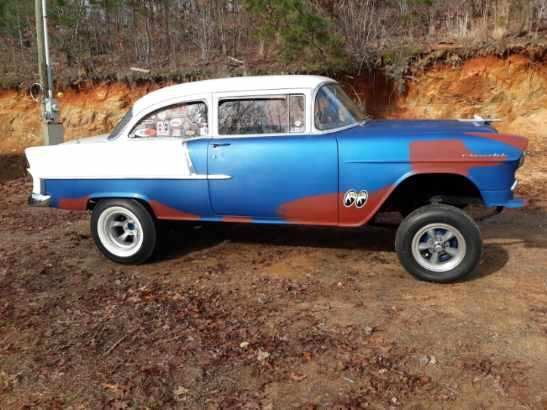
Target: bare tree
105,37
358,24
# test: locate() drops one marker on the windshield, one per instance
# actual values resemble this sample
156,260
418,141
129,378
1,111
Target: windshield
334,109
123,122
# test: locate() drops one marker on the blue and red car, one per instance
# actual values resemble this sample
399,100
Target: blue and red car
282,150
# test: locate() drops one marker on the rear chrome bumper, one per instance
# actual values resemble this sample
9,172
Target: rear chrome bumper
39,200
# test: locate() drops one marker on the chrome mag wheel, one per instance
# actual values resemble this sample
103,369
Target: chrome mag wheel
438,247
120,231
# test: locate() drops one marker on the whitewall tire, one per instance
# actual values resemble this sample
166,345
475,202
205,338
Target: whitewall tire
124,230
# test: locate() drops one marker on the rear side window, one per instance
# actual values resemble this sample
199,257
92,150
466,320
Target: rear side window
187,120
261,115
297,113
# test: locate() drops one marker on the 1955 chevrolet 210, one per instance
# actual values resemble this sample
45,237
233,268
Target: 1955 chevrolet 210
282,150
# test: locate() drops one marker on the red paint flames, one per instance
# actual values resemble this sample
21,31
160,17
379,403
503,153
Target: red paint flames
165,212
323,209
513,140
353,217
73,204
237,219
311,210
450,156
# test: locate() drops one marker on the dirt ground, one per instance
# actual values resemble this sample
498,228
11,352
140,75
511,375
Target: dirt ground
238,316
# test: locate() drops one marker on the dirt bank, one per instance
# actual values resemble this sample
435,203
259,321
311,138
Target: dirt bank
513,89
86,111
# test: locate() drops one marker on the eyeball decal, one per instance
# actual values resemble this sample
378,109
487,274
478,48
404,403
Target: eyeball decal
362,198
352,197
349,198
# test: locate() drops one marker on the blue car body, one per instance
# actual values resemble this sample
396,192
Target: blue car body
302,179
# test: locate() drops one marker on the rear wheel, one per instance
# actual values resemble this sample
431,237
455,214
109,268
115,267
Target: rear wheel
124,230
439,243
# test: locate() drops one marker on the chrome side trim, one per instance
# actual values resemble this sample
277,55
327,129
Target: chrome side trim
39,200
216,176
185,177
188,158
515,185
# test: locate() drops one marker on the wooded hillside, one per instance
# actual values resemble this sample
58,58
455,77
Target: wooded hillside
97,39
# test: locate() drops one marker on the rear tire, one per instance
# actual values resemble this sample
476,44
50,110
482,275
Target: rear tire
124,230
439,243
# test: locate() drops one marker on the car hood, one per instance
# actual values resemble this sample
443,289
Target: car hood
427,141
443,130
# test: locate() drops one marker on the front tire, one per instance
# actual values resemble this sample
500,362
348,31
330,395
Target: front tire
124,230
439,243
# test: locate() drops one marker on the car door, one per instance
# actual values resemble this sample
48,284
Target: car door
276,170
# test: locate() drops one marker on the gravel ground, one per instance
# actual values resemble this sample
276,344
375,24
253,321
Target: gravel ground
239,316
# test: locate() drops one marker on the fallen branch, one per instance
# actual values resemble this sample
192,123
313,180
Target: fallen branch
115,345
236,60
140,70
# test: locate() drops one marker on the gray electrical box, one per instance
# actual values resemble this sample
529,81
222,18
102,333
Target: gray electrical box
53,133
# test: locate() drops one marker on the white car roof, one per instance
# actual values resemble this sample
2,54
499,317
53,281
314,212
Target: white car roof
253,83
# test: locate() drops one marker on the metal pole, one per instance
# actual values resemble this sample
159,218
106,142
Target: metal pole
53,130
40,47
46,52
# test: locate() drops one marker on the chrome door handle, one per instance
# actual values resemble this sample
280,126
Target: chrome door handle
221,144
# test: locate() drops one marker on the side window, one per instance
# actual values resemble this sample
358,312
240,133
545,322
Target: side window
185,120
261,115
334,109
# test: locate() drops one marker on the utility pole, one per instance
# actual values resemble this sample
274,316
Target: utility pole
52,127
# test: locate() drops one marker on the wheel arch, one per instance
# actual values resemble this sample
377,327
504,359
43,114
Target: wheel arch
93,199
417,189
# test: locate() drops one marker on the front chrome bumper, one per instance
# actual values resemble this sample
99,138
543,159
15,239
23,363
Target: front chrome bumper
39,200
515,185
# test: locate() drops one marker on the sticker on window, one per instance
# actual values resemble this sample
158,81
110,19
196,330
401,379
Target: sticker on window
163,129
185,120
146,132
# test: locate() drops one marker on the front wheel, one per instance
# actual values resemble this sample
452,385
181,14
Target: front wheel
124,230
439,243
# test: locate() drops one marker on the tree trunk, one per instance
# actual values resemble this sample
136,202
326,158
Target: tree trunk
502,16
167,32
